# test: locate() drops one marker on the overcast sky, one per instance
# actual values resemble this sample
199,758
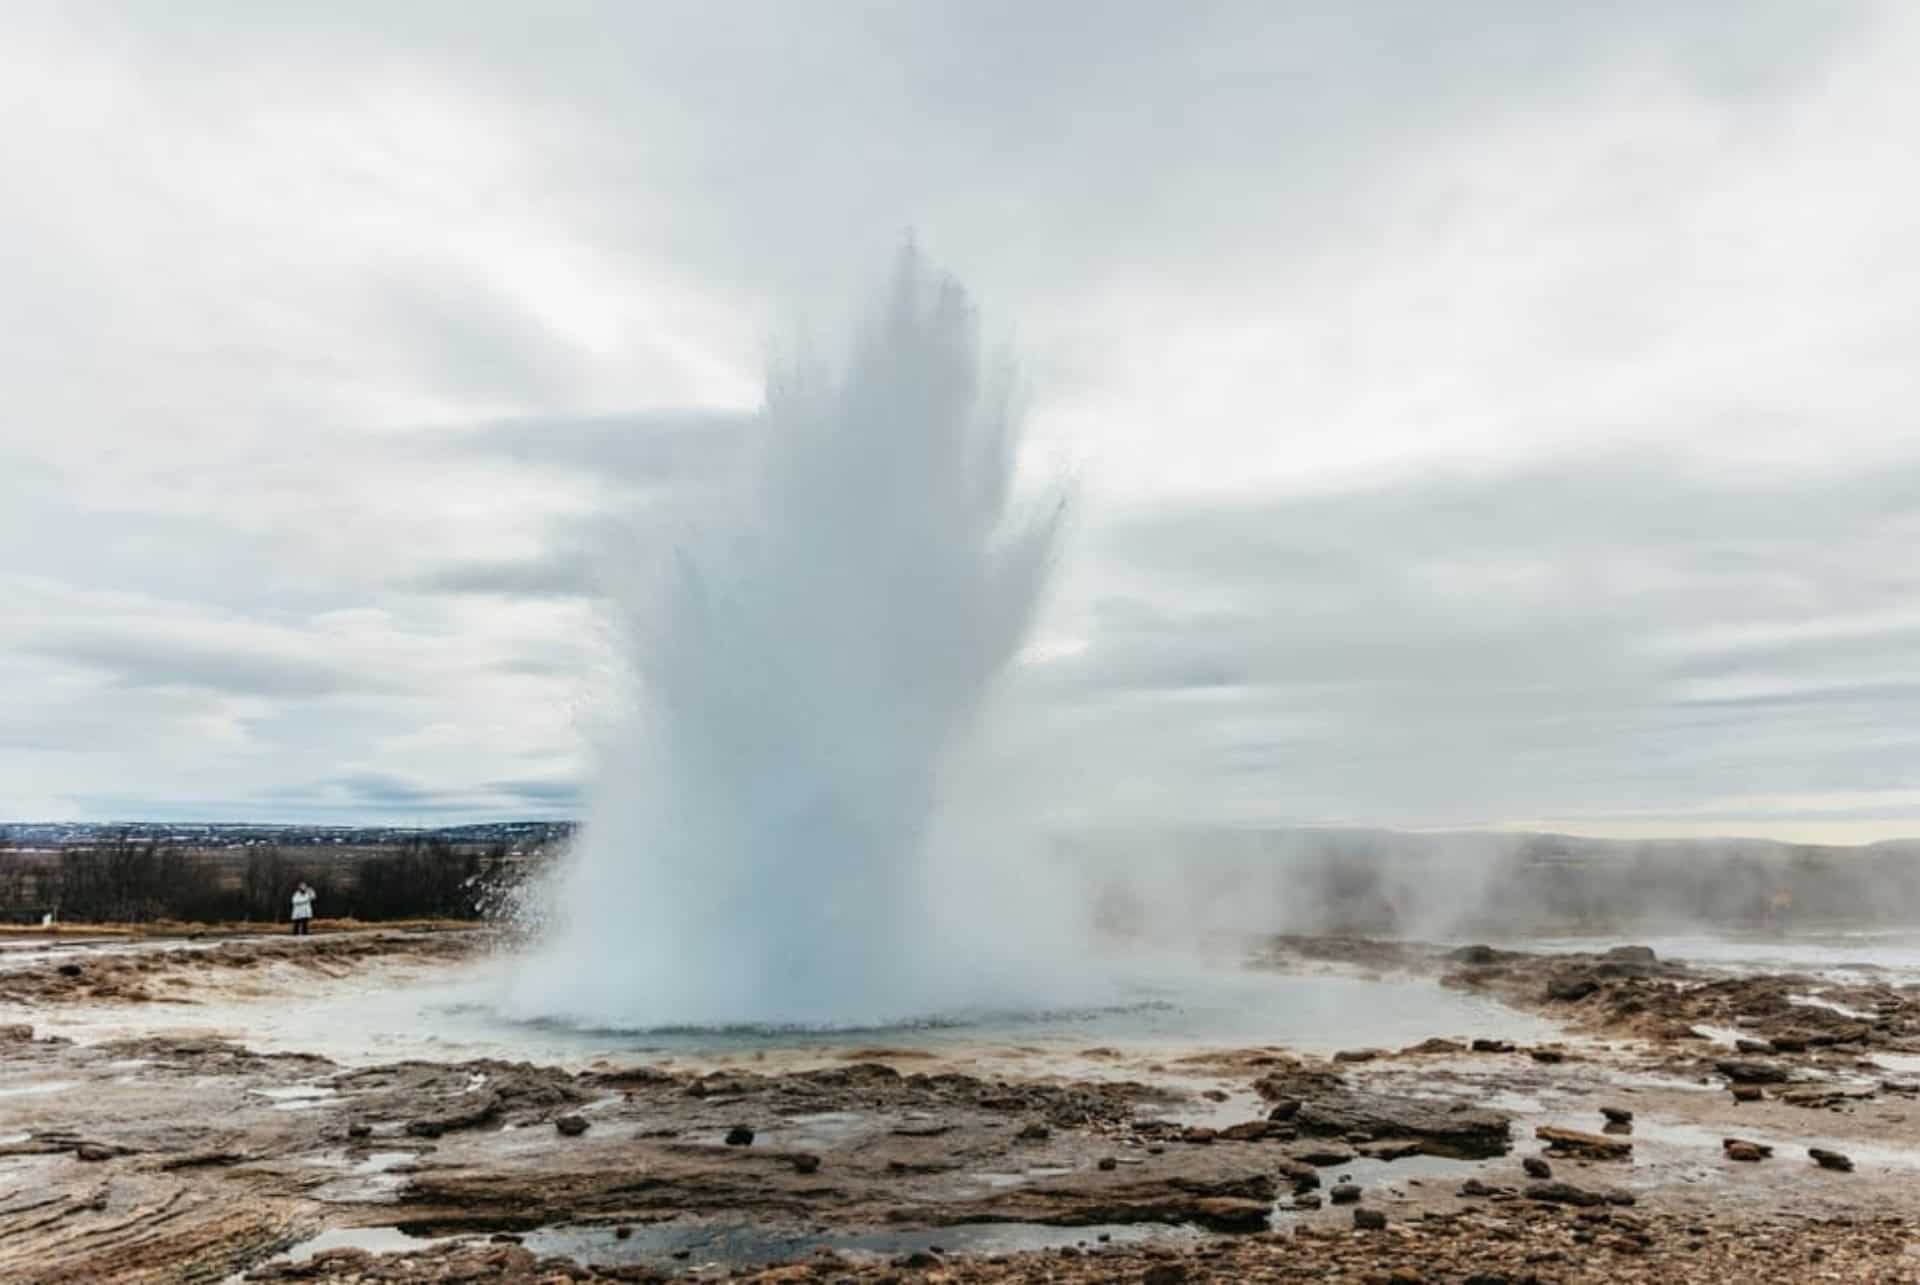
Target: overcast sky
1491,413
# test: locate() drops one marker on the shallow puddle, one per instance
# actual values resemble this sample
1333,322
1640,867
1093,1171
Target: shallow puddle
49,1086
1706,1142
297,1097
689,1247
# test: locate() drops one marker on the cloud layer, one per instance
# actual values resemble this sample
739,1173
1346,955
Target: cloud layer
1489,414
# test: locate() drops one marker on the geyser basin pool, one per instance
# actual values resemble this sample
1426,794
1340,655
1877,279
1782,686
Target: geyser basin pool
449,1013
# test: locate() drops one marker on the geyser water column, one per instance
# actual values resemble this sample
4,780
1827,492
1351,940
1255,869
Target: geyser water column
765,839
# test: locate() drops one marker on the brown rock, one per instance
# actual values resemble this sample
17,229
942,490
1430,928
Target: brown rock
1436,1045
1741,1149
1392,1149
1566,987
1831,1159
1326,1156
481,1110
1231,1213
1249,1131
1563,1193
1444,1128
1369,1219
1588,1146
1302,1175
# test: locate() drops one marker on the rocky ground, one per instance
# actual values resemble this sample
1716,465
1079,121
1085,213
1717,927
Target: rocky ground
1650,1144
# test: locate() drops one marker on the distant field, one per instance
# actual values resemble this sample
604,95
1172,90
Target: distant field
139,880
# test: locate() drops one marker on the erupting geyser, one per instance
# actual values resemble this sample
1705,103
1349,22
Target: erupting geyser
773,837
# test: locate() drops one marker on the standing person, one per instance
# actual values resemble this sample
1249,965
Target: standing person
302,908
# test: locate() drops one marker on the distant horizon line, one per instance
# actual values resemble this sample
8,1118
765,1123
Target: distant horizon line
1489,832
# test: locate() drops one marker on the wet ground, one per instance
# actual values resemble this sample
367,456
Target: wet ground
160,1120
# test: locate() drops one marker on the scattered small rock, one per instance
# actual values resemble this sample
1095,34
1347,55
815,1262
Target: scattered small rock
1034,1132
1108,1164
572,1126
1492,1046
1831,1159
1344,1193
1369,1219
1741,1149
1744,1071
1617,1115
1747,1092
739,1136
1536,1167
806,1162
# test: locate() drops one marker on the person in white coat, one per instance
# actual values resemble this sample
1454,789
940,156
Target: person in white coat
302,908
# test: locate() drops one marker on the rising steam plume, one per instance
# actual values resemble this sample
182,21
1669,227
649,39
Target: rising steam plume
774,837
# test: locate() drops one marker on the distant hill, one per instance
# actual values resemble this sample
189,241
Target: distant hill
206,835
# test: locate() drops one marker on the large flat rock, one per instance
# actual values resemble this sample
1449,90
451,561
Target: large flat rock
1443,1128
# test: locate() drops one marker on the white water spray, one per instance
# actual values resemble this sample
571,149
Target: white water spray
774,837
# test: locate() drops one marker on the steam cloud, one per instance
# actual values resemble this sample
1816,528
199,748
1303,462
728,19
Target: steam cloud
774,837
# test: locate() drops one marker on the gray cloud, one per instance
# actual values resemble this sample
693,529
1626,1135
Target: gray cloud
659,448
138,659
561,574
1575,634
566,796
